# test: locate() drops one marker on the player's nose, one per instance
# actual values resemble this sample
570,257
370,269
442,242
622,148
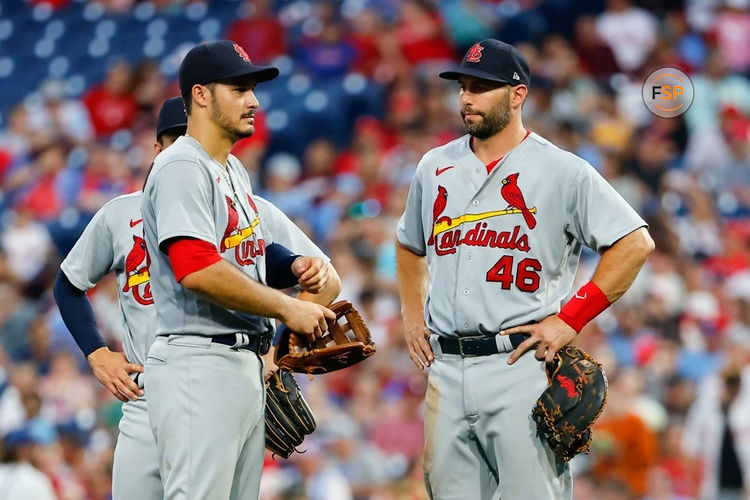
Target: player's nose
465,98
252,101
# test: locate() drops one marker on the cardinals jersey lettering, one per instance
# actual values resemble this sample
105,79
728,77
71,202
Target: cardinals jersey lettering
113,242
503,248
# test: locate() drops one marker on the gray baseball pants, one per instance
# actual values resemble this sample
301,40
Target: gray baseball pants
480,439
135,472
206,410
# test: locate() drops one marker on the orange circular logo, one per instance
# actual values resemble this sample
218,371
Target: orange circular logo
667,92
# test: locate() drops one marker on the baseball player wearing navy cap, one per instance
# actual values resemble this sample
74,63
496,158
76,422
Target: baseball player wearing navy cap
208,242
113,241
487,251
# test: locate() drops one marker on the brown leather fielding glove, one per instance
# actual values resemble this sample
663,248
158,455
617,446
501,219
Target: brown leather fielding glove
347,342
575,398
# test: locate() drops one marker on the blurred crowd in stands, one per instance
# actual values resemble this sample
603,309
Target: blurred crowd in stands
676,347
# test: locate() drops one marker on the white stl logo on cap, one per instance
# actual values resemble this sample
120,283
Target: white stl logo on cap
475,53
242,53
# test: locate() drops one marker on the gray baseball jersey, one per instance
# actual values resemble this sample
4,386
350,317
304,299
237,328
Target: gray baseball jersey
503,248
113,241
189,194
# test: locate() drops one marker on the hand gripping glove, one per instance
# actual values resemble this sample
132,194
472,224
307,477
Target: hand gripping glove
347,342
288,416
575,398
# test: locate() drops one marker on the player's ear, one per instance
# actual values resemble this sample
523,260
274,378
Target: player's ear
518,95
201,95
157,148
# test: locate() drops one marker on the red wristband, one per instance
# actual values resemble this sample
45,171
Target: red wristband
585,305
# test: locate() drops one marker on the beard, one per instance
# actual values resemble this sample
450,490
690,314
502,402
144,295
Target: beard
223,120
493,120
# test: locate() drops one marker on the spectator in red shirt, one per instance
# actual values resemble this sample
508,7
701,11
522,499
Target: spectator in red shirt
260,34
42,198
366,37
595,55
420,34
112,105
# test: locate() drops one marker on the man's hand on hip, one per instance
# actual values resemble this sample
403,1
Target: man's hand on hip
549,335
112,370
416,335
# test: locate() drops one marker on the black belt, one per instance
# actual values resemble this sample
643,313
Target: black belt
477,346
256,343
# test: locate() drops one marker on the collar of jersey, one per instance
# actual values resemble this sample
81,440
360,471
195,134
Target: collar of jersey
193,142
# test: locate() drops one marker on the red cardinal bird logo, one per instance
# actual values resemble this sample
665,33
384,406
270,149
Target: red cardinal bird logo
233,222
511,193
441,201
133,261
568,385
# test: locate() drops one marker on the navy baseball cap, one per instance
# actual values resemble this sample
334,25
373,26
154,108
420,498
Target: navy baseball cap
495,61
171,115
219,61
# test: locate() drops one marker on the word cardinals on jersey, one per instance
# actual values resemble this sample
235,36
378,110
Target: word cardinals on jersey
448,232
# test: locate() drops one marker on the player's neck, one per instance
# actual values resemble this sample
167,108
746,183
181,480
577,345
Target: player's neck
500,144
212,139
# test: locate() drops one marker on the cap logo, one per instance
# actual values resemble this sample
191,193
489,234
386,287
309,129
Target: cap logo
515,76
242,53
474,54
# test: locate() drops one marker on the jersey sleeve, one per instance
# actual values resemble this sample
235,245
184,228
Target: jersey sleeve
182,200
93,255
410,230
285,232
600,215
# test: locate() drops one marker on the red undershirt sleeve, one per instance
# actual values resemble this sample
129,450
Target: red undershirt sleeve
188,255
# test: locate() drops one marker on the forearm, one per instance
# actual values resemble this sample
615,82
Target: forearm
413,280
328,293
225,285
77,314
621,263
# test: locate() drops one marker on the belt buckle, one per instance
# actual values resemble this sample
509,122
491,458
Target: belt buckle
461,347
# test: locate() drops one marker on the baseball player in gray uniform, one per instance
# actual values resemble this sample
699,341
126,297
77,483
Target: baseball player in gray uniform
487,250
113,242
204,371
